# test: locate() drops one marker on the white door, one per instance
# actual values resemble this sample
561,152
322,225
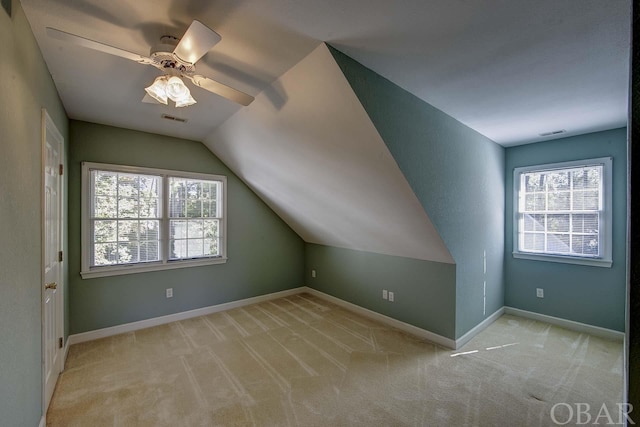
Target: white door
52,327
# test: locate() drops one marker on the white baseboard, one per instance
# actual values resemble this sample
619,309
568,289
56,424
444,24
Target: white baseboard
479,328
423,333
567,324
156,321
43,422
414,330
65,354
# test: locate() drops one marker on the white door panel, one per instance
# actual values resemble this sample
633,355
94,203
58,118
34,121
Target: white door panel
52,263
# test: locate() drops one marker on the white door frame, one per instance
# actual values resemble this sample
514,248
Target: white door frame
50,132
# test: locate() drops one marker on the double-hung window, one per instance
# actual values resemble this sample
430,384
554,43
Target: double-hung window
140,219
563,212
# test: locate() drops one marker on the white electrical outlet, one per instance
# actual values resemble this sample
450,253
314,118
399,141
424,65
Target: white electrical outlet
169,292
540,292
384,294
391,297
313,273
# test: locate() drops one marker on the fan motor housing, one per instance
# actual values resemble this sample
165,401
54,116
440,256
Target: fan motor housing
162,54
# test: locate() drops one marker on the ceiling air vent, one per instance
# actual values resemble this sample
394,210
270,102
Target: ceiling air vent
554,132
173,118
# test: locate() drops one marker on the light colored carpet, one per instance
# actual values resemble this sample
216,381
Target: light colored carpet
301,361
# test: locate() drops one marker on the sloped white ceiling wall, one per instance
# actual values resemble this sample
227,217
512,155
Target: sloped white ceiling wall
307,147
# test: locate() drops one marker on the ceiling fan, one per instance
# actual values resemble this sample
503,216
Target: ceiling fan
176,58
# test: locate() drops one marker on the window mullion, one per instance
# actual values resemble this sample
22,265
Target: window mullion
92,213
118,220
546,215
601,206
571,194
546,231
138,221
164,226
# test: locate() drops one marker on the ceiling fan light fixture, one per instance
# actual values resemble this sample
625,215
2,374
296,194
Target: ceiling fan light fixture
170,87
185,101
176,89
174,57
157,90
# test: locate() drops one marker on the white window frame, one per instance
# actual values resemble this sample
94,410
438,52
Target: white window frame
87,271
605,230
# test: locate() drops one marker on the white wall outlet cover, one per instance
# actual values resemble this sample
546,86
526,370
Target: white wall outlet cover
391,296
313,273
169,292
540,293
384,294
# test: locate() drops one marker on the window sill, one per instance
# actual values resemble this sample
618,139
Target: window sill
131,269
594,262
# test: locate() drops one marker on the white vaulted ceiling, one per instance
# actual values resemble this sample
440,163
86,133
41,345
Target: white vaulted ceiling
508,69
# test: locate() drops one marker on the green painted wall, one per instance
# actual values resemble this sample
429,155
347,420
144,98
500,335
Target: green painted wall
265,255
591,295
26,88
424,295
458,176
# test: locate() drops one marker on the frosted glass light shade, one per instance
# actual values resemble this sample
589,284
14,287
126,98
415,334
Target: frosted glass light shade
186,100
176,89
173,88
157,90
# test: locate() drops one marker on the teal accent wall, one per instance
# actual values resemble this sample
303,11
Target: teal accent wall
424,295
26,88
458,176
586,294
265,255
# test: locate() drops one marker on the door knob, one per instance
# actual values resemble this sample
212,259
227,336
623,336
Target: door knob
52,285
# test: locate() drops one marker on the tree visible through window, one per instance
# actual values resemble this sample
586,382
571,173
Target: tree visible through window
194,218
562,210
125,218
149,217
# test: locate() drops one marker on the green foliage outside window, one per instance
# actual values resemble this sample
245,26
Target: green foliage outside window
127,218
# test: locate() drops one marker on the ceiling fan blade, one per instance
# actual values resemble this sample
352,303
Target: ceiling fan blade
222,90
81,41
196,42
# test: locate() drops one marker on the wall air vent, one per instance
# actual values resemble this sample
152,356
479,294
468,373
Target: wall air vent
554,132
173,118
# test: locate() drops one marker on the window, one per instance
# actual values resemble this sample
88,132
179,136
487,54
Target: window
194,218
563,212
140,219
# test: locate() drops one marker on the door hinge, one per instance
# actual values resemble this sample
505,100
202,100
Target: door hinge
61,169
60,257
60,342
